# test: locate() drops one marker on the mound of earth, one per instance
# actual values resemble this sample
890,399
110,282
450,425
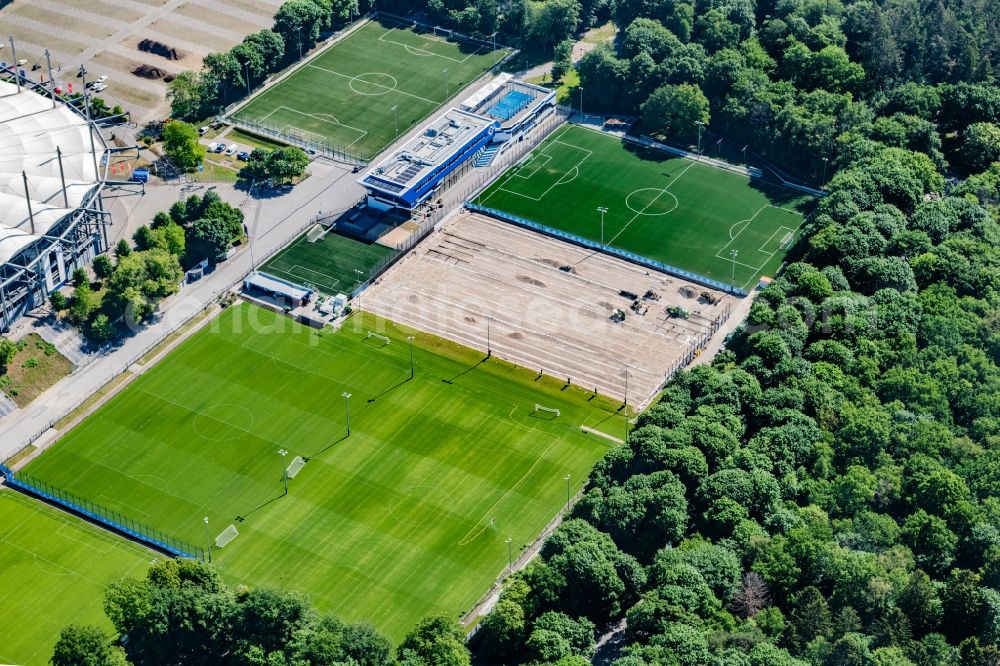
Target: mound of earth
149,72
160,49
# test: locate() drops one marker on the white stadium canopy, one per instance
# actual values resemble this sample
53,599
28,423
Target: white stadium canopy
32,133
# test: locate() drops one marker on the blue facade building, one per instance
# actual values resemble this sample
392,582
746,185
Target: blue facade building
413,173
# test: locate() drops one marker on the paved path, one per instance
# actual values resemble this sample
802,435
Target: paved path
279,220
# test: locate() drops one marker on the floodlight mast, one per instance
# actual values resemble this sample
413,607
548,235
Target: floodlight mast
284,470
602,210
208,541
347,402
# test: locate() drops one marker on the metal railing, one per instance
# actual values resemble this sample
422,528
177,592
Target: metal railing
118,522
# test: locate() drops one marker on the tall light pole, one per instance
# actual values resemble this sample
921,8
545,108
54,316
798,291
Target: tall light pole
566,479
602,210
718,148
347,402
701,126
745,153
300,42
489,345
825,160
732,278
395,117
13,55
246,68
52,84
510,555
284,470
626,403
409,338
494,36
208,543
580,88
447,88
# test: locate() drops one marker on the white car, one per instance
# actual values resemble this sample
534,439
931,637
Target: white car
203,129
102,78
214,147
231,150
99,87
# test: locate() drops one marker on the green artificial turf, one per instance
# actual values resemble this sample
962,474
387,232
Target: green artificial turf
53,570
407,516
670,209
330,264
344,97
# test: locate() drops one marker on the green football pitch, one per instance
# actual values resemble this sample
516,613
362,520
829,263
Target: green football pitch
331,264
407,516
369,87
53,570
699,218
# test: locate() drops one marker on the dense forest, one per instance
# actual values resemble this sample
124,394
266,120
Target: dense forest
827,491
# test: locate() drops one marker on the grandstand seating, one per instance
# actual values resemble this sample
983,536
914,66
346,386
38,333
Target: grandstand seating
485,157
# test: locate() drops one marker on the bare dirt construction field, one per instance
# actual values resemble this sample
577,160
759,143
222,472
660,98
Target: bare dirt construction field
547,305
104,36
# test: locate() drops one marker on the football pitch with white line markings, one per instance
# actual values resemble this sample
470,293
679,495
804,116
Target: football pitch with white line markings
688,214
370,86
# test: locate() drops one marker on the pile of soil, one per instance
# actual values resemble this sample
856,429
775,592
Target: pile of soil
160,49
149,72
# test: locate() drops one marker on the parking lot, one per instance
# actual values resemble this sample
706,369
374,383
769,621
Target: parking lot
107,36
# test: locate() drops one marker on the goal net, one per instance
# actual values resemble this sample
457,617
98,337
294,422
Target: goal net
315,233
226,536
376,336
545,410
295,467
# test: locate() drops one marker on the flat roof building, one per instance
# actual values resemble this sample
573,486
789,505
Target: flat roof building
409,176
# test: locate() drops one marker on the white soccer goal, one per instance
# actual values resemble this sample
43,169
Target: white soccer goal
315,233
226,536
295,467
546,410
383,338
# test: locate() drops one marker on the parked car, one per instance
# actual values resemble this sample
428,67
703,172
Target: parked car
243,155
231,150
220,148
102,78
203,129
100,87
214,147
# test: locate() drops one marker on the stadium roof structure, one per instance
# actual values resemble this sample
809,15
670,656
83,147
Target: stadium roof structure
48,166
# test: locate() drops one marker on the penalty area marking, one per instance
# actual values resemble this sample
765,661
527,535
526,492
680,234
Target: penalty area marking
434,38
